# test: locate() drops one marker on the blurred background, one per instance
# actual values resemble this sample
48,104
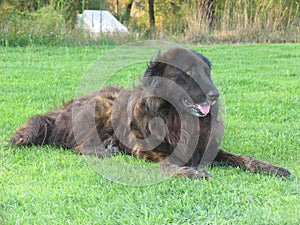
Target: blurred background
24,22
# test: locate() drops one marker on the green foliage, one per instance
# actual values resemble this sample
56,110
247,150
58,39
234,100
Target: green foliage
182,20
44,26
168,17
46,185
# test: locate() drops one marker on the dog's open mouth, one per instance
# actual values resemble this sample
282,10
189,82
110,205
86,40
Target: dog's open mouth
199,110
203,108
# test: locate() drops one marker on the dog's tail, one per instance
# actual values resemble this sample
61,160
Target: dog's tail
34,132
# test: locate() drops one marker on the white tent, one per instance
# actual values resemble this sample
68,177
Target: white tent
97,21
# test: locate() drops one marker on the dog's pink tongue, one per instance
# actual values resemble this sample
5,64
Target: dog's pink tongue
204,109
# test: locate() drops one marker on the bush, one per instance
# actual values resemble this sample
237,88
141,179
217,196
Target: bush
46,26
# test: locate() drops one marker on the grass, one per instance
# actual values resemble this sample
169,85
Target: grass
46,185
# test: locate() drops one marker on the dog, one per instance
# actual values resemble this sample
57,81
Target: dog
172,117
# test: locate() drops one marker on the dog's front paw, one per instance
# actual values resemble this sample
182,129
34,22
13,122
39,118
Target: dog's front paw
17,140
192,173
184,171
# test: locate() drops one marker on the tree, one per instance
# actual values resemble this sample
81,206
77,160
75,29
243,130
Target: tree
128,11
152,18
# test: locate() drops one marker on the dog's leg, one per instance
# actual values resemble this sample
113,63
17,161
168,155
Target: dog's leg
249,163
34,132
91,145
183,171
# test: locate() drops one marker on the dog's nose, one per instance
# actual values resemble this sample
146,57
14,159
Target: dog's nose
213,95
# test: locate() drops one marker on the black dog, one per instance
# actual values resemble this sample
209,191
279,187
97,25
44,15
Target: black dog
172,117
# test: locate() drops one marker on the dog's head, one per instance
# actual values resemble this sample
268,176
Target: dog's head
186,69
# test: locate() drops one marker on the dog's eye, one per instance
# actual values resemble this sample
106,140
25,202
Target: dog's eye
189,72
186,101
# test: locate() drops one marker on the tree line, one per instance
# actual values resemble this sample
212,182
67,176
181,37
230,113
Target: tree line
192,20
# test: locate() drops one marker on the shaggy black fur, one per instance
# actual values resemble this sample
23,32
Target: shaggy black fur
172,117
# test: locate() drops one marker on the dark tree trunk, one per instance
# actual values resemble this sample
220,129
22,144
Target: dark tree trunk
117,8
151,18
128,11
210,13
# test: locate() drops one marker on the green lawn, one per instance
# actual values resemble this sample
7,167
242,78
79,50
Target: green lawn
45,185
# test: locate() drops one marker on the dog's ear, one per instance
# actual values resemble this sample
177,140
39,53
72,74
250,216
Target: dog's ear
156,66
152,76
